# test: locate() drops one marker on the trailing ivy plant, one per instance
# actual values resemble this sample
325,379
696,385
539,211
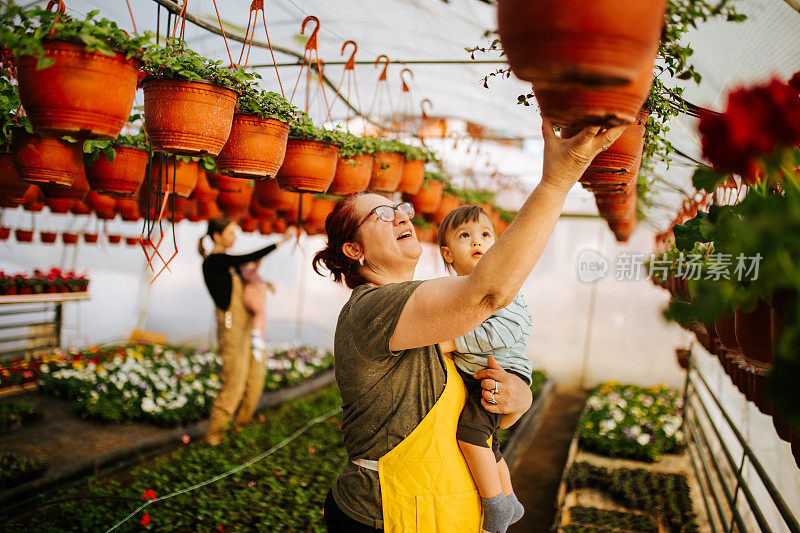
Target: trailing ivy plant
93,148
23,32
255,101
302,128
353,145
176,61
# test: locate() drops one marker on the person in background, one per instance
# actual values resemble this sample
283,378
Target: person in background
242,374
255,300
465,235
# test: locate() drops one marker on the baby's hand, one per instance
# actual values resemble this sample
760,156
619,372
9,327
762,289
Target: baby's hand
270,287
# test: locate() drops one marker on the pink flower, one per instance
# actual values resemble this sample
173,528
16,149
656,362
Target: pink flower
186,439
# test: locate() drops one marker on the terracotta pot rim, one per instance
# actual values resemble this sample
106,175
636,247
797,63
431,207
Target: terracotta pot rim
151,78
238,113
118,54
335,146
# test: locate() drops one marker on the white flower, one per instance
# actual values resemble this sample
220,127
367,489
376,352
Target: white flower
147,405
607,425
643,439
635,431
617,415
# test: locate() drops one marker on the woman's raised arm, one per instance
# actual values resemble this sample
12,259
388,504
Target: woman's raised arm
445,308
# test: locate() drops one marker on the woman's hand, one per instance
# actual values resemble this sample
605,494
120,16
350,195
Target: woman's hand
447,346
565,160
513,397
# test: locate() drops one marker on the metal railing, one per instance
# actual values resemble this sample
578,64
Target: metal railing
722,483
29,329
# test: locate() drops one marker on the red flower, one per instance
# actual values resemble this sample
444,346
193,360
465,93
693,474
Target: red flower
756,122
795,81
220,527
149,494
145,519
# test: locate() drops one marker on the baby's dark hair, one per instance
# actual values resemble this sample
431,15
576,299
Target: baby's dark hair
456,217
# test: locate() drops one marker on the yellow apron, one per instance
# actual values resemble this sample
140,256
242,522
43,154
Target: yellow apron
426,485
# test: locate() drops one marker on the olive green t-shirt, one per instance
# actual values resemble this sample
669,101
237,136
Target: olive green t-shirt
385,394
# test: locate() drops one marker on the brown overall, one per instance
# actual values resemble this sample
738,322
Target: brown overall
242,375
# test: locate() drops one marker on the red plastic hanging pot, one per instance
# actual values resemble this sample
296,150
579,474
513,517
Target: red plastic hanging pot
203,191
132,241
58,206
80,208
725,326
208,210
188,117
255,148
352,174
187,207
309,166
69,238
270,196
305,208
447,204
320,209
90,238
256,211
104,206
235,204
427,199
171,172
10,185
265,227
76,192
5,233
754,334
248,224
412,177
579,106
128,209
41,160
387,171
23,235
114,238
227,183
597,44
33,200
83,93
121,177
48,237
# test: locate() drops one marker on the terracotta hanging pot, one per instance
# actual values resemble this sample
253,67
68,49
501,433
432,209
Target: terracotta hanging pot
203,191
427,199
132,241
128,209
48,237
104,206
69,238
80,208
83,93
188,117
58,206
623,229
173,173
113,238
5,233
448,203
23,235
33,200
280,226
616,207
412,176
255,148
302,203
76,191
597,44
11,186
261,213
424,234
41,160
619,164
387,171
579,106
270,196
90,238
266,227
320,209
248,224
235,204
121,177
754,334
208,210
227,183
309,166
186,207
352,174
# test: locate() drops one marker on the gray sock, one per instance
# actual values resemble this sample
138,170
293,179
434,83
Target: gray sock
519,509
497,513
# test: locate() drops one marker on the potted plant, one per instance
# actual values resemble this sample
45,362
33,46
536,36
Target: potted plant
311,155
10,185
321,207
387,171
69,238
7,285
413,169
117,167
173,173
203,191
45,160
450,201
23,235
59,198
426,231
90,238
235,203
257,143
104,206
270,196
114,238
5,233
189,100
132,241
48,237
353,166
427,199
76,77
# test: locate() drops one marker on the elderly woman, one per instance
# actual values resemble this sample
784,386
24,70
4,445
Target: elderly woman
401,397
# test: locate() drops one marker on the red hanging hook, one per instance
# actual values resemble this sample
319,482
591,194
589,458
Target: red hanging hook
62,8
422,106
351,63
405,85
382,77
311,44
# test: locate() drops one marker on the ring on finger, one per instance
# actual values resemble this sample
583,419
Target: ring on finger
492,400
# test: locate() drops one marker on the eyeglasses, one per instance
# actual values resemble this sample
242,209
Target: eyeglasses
387,213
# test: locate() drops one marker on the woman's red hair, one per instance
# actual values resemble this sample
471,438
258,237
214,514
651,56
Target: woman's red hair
340,227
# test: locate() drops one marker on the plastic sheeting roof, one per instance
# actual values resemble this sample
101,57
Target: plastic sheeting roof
726,54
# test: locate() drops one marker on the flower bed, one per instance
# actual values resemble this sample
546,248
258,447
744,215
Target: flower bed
16,469
43,282
593,520
663,495
164,385
289,365
283,492
632,422
14,414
